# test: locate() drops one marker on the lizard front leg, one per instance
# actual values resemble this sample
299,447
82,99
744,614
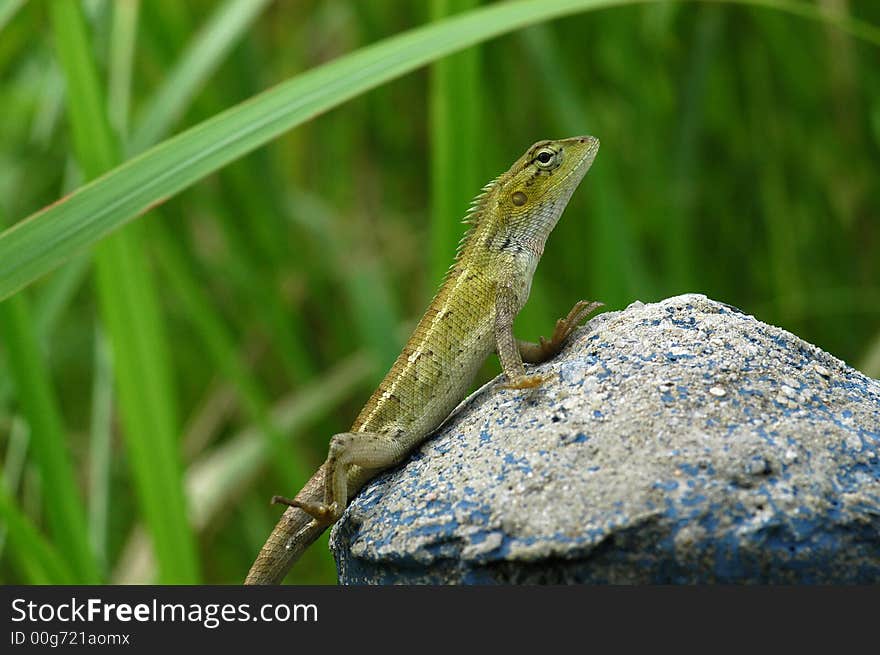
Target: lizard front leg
367,450
506,344
535,353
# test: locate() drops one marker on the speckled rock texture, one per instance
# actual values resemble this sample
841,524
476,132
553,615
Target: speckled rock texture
677,442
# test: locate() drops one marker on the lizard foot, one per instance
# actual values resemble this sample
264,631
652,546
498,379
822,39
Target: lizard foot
526,381
318,511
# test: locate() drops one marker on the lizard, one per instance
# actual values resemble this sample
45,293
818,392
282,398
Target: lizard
471,316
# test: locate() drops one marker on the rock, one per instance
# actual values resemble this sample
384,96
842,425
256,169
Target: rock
677,442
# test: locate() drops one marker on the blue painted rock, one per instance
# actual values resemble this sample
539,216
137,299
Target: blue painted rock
676,442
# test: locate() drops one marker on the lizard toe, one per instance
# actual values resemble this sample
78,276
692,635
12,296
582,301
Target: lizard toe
318,511
526,381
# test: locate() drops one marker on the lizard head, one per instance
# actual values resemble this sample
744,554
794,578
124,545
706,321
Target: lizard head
516,211
532,195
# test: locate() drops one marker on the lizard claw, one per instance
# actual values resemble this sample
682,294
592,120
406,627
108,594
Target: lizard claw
526,381
318,511
565,326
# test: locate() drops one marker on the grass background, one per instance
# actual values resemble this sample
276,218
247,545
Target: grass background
157,388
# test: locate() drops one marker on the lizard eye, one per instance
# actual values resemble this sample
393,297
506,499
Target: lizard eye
545,158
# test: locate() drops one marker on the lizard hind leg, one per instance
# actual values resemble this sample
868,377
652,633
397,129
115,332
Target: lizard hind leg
368,450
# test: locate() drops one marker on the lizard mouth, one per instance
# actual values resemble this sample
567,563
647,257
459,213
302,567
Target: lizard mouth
586,159
535,245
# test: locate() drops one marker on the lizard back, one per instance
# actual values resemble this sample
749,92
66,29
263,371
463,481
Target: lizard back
440,359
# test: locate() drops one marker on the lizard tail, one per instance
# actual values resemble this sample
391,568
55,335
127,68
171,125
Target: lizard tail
294,532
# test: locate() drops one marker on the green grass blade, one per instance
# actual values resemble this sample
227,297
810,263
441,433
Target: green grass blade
123,37
38,244
258,266
57,294
177,92
130,312
783,241
8,9
204,53
215,481
129,307
199,61
869,363
40,562
40,407
222,349
93,142
289,336
680,242
100,445
368,295
13,464
457,169
608,230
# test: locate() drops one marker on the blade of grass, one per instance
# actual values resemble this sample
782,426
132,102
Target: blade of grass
783,236
57,294
198,62
58,291
122,41
369,298
8,9
614,245
99,448
456,166
50,304
243,272
201,58
130,311
177,91
222,349
681,241
207,419
869,363
203,54
36,245
37,558
51,453
13,464
215,481
259,267
14,313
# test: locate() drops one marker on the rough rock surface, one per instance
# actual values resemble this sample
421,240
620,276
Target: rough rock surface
678,442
